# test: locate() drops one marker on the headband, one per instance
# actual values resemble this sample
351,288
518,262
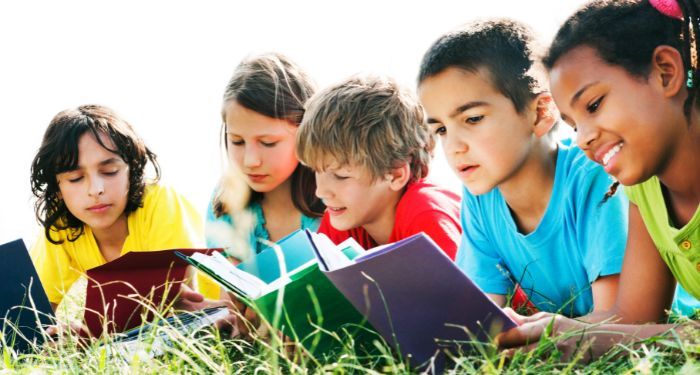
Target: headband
668,8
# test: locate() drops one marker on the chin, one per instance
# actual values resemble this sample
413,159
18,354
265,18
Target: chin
477,189
630,180
342,225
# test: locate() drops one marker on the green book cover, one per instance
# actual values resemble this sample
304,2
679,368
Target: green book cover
312,310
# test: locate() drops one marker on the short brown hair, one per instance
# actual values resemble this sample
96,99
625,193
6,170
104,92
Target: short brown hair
367,121
507,49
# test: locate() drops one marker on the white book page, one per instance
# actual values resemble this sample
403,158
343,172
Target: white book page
330,253
247,283
372,251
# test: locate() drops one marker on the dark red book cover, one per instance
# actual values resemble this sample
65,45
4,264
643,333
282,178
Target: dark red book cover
124,291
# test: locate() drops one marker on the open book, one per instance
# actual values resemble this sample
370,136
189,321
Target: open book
285,285
409,291
414,296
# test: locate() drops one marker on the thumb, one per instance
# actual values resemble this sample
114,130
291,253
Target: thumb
188,294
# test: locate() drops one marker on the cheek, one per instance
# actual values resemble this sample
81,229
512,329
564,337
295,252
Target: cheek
285,158
235,155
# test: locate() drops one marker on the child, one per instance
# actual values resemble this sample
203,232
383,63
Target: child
367,140
94,202
531,211
625,76
263,106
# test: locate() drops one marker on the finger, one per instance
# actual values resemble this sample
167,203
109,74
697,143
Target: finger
52,331
517,318
522,335
186,293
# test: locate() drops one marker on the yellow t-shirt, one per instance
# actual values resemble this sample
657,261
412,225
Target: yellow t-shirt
166,221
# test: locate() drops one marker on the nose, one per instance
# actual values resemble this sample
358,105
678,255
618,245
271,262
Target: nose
251,156
97,187
322,191
453,143
586,135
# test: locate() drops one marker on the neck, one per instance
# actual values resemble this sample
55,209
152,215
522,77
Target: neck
528,191
280,198
111,240
681,173
380,229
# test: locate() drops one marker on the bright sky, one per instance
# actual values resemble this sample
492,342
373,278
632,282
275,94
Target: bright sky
163,65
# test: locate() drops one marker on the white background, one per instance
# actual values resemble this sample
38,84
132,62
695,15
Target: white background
163,65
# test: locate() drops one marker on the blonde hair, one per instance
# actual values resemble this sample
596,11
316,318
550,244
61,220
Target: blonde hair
366,121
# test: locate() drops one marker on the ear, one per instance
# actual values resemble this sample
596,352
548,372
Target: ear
398,177
667,70
547,114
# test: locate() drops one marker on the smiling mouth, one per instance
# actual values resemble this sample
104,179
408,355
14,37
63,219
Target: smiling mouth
335,210
612,152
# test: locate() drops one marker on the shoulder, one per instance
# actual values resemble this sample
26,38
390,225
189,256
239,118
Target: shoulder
584,180
574,162
422,195
157,193
643,193
162,207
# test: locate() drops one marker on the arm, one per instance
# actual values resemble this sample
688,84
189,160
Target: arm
604,292
594,340
646,284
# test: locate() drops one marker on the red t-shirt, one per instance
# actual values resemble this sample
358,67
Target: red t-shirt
424,207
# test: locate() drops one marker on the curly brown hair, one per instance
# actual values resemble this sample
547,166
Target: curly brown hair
59,153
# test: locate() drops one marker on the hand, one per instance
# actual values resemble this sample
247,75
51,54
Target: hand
190,300
62,331
246,319
567,335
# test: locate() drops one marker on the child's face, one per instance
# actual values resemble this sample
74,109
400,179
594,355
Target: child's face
351,197
484,139
262,147
97,191
622,121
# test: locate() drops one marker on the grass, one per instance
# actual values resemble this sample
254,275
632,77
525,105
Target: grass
210,351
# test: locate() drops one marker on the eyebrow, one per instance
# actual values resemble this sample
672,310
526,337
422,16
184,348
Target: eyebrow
580,92
101,164
460,109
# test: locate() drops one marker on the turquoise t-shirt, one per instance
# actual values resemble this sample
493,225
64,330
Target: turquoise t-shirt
259,231
577,241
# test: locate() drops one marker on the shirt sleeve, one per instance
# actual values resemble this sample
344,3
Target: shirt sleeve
602,226
54,267
476,256
440,227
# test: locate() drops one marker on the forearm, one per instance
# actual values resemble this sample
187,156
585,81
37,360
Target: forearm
599,339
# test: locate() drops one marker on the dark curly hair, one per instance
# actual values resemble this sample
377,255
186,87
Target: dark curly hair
507,49
273,85
626,33
59,153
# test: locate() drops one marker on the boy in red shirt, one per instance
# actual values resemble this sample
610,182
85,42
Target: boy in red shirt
367,140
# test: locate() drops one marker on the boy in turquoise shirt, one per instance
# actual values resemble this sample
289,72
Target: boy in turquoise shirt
532,211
